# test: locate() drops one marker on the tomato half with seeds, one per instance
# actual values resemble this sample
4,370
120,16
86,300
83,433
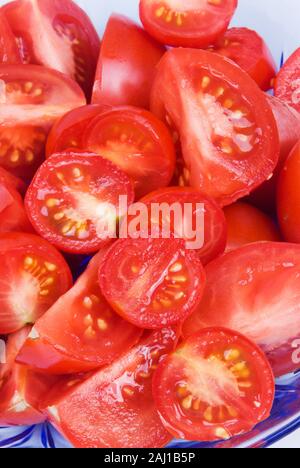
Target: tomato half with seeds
192,23
57,34
228,133
216,385
287,83
125,75
73,201
152,282
80,332
137,142
9,52
13,216
33,275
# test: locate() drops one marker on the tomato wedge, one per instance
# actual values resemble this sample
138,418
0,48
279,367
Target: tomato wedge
73,201
287,83
118,397
216,385
12,212
192,23
7,178
57,34
125,73
9,52
137,142
227,129
244,292
152,282
33,275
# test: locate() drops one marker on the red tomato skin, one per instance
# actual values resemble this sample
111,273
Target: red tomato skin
286,85
13,181
8,47
124,76
13,216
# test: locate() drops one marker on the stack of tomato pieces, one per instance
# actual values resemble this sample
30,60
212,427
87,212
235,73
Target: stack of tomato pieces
154,339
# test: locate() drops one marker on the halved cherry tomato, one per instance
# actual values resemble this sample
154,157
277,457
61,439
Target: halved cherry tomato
57,34
80,332
246,224
228,132
33,275
34,97
287,83
216,385
246,48
12,212
137,142
256,291
9,52
73,201
114,408
188,23
9,179
125,73
152,282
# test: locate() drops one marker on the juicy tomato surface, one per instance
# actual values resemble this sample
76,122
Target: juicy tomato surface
34,97
244,292
192,23
80,332
287,84
13,216
137,142
246,48
57,34
16,183
152,282
73,201
125,73
9,52
247,224
33,275
119,397
228,133
216,385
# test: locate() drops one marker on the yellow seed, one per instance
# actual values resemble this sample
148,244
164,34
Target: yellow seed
76,173
176,268
169,16
238,114
232,355
214,2
220,91
205,81
52,202
59,216
179,19
37,92
160,11
15,156
165,302
228,103
47,282
67,227
88,320
221,433
232,411
239,367
187,402
180,279
226,148
135,269
144,375
90,332
245,374
196,405
28,87
245,384
208,414
60,176
128,391
44,292
180,295
182,391
102,324
29,155
28,262
76,42
87,302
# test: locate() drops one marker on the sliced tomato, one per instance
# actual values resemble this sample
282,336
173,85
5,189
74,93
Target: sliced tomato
227,129
287,83
189,23
248,49
33,275
137,142
118,397
9,52
125,73
7,178
12,212
57,34
73,201
34,97
216,385
152,282
245,292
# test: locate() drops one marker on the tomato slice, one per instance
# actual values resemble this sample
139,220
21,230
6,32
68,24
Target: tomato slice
7,178
138,143
125,73
228,132
287,83
246,48
9,52
118,397
57,34
71,201
216,385
80,332
12,212
33,275
34,97
192,23
244,292
152,282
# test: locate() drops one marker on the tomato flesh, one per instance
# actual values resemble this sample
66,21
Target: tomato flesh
12,212
6,178
287,83
8,47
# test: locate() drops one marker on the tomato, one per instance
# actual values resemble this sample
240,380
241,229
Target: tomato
80,332
245,293
152,282
125,73
9,179
114,407
228,132
12,212
138,143
246,48
73,201
287,83
192,23
34,97
247,224
9,52
33,275
57,34
216,385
